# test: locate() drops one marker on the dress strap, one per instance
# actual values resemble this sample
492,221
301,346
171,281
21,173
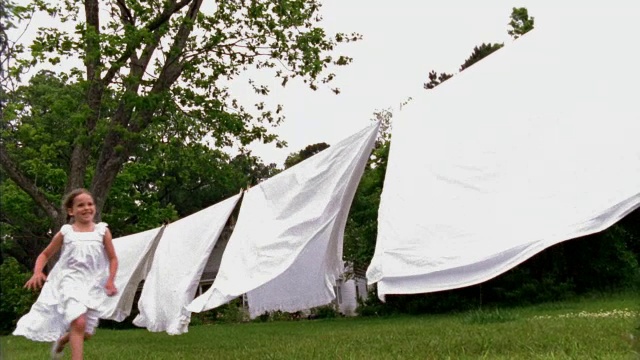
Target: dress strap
101,228
65,229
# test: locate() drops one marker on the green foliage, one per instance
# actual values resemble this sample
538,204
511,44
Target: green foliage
520,22
15,300
522,285
152,89
38,129
603,261
324,312
384,118
167,177
479,53
362,223
372,306
10,14
435,79
230,313
304,154
251,170
23,225
279,316
321,312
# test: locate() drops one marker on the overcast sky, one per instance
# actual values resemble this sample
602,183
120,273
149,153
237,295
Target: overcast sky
402,41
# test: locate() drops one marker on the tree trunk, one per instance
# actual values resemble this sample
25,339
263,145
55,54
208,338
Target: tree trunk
117,149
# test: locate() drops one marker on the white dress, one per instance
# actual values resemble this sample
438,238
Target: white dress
75,286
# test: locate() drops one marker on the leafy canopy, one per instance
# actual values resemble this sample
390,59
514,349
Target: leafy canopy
148,73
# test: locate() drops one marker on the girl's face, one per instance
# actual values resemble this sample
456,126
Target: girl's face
83,209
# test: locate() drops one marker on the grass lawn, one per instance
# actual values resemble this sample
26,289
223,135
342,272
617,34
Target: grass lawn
588,328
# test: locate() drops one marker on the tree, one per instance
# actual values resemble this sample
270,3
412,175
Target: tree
435,79
251,169
361,230
145,62
479,53
9,14
304,154
520,22
43,146
16,300
169,177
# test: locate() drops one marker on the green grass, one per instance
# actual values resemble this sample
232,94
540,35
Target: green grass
587,328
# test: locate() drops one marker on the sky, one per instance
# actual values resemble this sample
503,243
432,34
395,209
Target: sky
402,41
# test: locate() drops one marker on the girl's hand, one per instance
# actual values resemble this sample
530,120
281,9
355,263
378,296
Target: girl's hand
36,281
110,288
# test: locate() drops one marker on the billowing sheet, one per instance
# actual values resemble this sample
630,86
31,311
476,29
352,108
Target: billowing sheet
135,253
177,266
534,145
286,248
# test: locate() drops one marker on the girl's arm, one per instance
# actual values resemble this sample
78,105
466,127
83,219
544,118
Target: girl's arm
110,286
38,278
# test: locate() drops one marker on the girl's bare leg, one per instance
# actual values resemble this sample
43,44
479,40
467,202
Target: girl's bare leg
64,339
62,342
76,337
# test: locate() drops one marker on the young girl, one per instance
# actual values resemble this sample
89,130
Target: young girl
68,308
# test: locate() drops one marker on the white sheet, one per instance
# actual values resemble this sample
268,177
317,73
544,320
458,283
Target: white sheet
286,248
534,145
177,266
134,260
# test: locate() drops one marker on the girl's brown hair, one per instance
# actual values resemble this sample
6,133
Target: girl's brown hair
67,202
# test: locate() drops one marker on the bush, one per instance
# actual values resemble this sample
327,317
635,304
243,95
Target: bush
605,261
324,312
15,300
279,316
228,313
372,306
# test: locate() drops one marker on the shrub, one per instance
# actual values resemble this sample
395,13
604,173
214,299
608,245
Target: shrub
372,306
231,312
279,316
15,300
324,312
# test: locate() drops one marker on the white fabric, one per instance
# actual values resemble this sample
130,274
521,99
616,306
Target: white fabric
74,286
534,145
134,253
286,248
177,266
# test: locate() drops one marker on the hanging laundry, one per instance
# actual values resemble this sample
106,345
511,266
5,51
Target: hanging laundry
286,248
523,150
177,266
135,253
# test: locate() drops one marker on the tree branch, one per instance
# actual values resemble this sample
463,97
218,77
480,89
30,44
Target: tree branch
171,8
26,184
173,66
111,160
125,14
